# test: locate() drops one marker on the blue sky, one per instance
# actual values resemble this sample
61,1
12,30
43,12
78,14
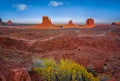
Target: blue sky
60,11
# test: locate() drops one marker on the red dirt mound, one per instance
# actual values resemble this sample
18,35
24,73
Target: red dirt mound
72,43
8,43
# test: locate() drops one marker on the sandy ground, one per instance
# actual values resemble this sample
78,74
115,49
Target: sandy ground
93,46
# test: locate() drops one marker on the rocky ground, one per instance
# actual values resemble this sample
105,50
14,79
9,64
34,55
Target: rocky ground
95,47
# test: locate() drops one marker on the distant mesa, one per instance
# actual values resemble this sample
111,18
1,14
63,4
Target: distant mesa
90,22
70,25
46,21
9,22
115,23
1,22
46,24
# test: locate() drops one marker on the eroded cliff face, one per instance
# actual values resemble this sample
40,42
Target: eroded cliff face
115,23
90,22
46,24
46,20
1,22
9,22
70,25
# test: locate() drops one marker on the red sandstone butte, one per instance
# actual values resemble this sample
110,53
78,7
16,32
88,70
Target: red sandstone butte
19,75
9,22
46,24
90,23
116,23
70,25
1,23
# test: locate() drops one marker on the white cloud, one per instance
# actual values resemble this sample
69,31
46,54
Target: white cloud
20,7
55,3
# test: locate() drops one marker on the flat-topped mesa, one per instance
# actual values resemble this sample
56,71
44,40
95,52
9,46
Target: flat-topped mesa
115,23
9,22
46,20
46,24
70,25
0,20
1,23
90,22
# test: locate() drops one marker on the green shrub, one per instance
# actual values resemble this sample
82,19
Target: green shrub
65,70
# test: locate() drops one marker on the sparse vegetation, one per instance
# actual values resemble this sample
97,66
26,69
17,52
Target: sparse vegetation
65,70
91,69
104,77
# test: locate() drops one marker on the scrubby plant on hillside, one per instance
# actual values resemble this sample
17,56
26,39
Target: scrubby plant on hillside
65,70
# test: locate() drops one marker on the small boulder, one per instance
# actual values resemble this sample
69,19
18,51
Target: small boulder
2,78
19,75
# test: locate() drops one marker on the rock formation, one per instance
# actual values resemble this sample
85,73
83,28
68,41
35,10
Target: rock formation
19,75
1,23
2,78
70,25
46,20
116,23
90,22
0,20
9,22
70,22
46,24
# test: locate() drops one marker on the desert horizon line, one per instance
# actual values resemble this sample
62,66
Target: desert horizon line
54,21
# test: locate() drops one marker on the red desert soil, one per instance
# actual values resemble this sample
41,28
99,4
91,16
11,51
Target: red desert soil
93,46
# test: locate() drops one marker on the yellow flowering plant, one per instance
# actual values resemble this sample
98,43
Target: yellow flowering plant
65,70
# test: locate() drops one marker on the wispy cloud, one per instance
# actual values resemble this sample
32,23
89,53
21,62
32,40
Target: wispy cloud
20,7
56,4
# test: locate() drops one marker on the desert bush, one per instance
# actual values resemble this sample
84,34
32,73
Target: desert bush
91,69
104,77
65,70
